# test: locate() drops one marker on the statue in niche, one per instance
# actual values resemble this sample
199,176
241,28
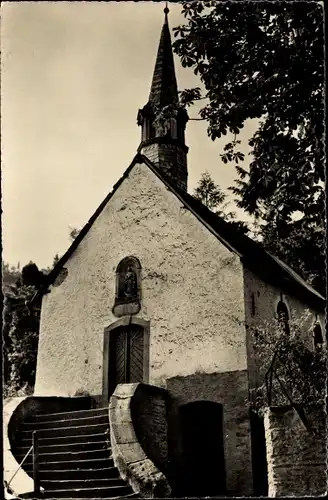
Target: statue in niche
128,289
130,283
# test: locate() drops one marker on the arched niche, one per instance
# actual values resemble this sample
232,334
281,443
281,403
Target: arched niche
128,287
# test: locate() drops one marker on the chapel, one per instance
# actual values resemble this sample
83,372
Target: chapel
146,334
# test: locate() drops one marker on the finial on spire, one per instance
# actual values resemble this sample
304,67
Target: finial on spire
166,11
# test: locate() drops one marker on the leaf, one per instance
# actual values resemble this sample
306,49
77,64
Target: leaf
266,62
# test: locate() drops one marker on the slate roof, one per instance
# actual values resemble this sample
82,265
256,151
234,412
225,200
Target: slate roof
251,253
164,90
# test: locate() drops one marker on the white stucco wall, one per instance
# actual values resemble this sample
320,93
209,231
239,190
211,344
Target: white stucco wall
192,293
266,300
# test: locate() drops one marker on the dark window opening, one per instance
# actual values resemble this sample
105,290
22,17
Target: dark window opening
253,304
317,336
152,131
283,317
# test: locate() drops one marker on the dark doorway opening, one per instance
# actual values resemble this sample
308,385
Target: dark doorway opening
259,462
126,356
203,449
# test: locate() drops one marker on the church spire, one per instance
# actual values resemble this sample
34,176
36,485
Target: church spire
162,119
164,90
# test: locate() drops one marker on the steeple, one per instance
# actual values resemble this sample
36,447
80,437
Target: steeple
164,90
162,119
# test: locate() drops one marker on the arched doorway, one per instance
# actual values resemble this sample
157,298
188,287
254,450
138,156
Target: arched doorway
203,450
126,354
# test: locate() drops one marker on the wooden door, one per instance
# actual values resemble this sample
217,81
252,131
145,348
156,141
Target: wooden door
126,356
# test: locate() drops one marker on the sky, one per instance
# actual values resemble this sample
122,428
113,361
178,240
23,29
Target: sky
73,78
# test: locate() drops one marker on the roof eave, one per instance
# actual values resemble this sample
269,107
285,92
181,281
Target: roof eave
289,280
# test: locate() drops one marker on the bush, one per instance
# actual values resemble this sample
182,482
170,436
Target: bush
20,329
290,372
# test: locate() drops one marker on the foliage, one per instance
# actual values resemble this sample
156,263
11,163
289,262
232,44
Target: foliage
265,60
74,232
56,260
31,276
302,371
10,275
20,327
210,194
163,117
213,197
81,392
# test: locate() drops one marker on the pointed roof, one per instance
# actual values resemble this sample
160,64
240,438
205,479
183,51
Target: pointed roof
252,254
164,90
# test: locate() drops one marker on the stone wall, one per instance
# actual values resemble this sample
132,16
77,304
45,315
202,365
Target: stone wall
128,415
296,456
230,390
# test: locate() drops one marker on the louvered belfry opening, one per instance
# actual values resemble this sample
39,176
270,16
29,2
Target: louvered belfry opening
126,358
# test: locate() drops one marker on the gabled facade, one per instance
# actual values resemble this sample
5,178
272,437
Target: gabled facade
187,278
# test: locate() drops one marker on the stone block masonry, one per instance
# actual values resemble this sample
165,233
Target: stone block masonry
171,160
230,390
296,456
132,424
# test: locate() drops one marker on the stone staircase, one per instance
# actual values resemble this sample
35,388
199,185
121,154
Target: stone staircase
74,455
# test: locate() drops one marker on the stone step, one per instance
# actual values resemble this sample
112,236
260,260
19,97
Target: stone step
101,492
65,431
78,474
74,484
68,446
93,463
68,415
120,497
72,422
65,456
58,440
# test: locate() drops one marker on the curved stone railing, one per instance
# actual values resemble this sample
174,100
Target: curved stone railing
15,411
21,483
132,414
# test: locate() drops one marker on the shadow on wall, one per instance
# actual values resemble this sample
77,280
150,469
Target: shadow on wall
157,426
149,417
